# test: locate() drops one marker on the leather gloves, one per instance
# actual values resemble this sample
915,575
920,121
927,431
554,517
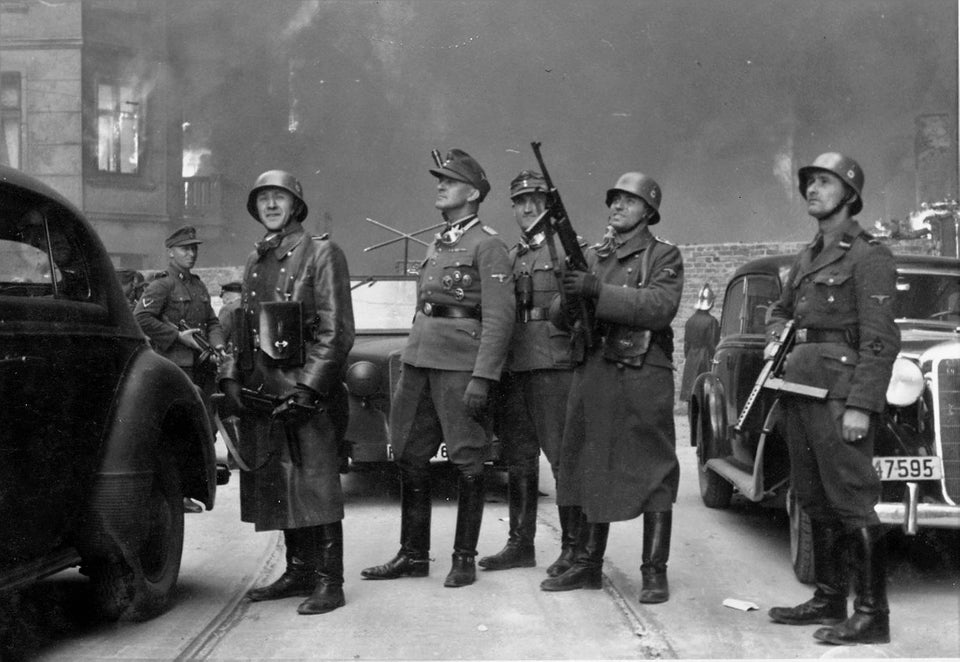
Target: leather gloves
581,284
231,405
298,406
476,396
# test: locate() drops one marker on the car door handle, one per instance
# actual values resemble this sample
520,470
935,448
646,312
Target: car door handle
13,362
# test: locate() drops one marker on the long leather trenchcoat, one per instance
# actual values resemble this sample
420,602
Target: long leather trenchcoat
279,492
618,457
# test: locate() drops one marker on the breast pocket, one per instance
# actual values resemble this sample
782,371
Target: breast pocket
460,278
176,307
834,289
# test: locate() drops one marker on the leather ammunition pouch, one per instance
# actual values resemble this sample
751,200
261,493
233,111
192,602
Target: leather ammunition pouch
280,336
623,344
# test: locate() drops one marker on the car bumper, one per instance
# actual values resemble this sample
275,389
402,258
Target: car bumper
912,515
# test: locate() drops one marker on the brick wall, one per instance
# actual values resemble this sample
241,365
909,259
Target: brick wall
713,263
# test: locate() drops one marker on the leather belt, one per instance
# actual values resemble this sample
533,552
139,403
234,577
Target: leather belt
456,312
536,314
822,335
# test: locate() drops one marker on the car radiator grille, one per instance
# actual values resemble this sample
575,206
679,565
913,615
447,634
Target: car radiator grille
947,419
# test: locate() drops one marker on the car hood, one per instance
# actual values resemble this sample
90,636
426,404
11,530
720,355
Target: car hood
376,347
915,341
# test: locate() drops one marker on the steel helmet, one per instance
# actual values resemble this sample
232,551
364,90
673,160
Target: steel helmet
277,179
848,170
706,298
638,184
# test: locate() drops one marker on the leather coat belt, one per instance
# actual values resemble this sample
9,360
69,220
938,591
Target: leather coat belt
536,314
442,310
823,335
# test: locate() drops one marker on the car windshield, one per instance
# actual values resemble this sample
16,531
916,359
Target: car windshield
384,303
928,296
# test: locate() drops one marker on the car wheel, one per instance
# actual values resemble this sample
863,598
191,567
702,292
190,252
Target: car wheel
801,540
137,585
715,491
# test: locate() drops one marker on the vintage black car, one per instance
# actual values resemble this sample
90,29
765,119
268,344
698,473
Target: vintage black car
100,437
917,451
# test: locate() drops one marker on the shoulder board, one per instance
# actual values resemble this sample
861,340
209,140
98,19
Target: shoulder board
489,230
663,241
323,237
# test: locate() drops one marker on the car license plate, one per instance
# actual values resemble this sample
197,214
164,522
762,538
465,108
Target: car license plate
927,467
441,455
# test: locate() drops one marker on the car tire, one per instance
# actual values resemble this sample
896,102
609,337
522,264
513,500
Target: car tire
801,540
137,585
715,491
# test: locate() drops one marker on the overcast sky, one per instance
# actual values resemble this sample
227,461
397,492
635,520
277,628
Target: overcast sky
720,101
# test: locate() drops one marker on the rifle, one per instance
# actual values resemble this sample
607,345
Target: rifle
435,153
769,377
555,221
206,349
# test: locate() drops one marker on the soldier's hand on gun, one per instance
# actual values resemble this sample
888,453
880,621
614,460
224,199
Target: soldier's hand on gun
298,405
581,284
856,423
476,396
186,337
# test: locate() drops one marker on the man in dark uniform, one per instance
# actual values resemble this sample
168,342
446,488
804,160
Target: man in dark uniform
292,344
178,296
623,464
839,293
701,333
132,282
453,359
534,387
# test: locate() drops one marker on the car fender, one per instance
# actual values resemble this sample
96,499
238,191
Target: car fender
709,399
156,410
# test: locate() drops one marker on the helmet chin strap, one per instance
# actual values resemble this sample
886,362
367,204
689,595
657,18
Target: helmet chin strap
846,200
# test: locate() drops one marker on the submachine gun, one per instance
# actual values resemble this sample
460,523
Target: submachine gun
769,377
207,351
555,221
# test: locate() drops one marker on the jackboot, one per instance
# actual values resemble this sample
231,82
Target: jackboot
870,621
413,559
469,516
522,491
299,577
587,569
328,552
656,552
569,532
829,602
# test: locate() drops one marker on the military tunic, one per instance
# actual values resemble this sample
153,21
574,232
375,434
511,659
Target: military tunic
842,302
173,296
279,493
539,370
461,329
618,458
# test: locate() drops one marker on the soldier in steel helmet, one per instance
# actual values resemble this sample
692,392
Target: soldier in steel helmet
701,333
451,364
293,331
623,464
839,293
174,307
534,387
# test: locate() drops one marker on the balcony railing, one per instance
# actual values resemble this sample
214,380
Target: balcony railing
202,197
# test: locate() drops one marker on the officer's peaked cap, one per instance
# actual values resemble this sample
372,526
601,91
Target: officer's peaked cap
528,181
185,236
462,167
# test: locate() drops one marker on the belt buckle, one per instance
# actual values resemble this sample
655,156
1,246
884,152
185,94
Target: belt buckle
428,309
801,335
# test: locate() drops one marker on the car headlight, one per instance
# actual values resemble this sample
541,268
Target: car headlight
906,383
363,379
